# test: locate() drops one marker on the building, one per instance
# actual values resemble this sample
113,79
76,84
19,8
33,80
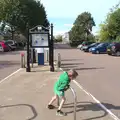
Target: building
65,37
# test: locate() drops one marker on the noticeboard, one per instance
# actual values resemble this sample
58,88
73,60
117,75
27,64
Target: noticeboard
39,40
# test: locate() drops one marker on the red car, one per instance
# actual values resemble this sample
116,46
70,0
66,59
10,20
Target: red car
4,47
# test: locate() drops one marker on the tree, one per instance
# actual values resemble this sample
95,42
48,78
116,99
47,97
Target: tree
82,28
20,14
103,33
110,29
113,24
58,38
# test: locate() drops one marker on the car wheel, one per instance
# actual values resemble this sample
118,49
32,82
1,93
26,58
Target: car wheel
97,52
118,53
2,50
109,54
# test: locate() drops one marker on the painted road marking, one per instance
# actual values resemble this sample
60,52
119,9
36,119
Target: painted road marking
10,75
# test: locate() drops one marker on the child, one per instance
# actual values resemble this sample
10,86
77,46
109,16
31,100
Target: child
60,87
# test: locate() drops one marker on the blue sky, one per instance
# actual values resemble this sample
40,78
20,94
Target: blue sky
62,13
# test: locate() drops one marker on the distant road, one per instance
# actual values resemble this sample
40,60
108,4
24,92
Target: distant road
61,46
9,62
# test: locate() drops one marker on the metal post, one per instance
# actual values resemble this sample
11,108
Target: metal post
52,51
47,52
22,60
28,55
32,56
75,101
59,61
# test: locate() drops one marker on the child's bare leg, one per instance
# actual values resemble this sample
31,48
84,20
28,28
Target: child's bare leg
59,112
53,99
62,102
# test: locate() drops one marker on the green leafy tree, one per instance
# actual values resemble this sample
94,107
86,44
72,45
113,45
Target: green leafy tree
110,29
103,33
82,28
20,14
113,24
58,38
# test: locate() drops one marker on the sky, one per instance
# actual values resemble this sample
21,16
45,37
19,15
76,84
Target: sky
62,13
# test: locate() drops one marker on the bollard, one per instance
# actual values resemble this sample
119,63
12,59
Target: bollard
47,55
47,52
22,60
59,61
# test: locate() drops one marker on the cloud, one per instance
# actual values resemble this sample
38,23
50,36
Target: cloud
63,12
72,8
59,32
68,25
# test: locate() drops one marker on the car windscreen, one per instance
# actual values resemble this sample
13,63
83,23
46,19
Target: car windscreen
0,46
100,45
92,44
9,42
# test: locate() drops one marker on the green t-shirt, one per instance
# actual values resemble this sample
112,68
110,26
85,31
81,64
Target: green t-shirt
62,82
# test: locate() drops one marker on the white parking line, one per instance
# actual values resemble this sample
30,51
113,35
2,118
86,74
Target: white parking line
97,101
10,75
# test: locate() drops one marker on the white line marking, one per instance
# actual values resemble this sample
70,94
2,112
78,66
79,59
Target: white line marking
10,75
97,101
41,86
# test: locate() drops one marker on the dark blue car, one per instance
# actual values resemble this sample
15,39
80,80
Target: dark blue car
86,48
101,48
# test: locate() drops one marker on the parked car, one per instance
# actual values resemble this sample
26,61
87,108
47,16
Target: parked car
12,44
79,46
86,48
113,49
1,48
4,47
101,48
85,43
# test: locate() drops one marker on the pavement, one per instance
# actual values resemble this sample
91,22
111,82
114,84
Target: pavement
24,96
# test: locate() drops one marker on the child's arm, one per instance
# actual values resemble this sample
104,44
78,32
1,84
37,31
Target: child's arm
63,85
67,87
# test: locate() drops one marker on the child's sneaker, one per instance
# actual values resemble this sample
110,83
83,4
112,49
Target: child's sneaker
50,107
60,113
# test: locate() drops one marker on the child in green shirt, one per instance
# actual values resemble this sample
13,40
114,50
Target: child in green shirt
60,87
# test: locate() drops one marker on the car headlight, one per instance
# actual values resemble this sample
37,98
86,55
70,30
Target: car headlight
85,47
93,48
